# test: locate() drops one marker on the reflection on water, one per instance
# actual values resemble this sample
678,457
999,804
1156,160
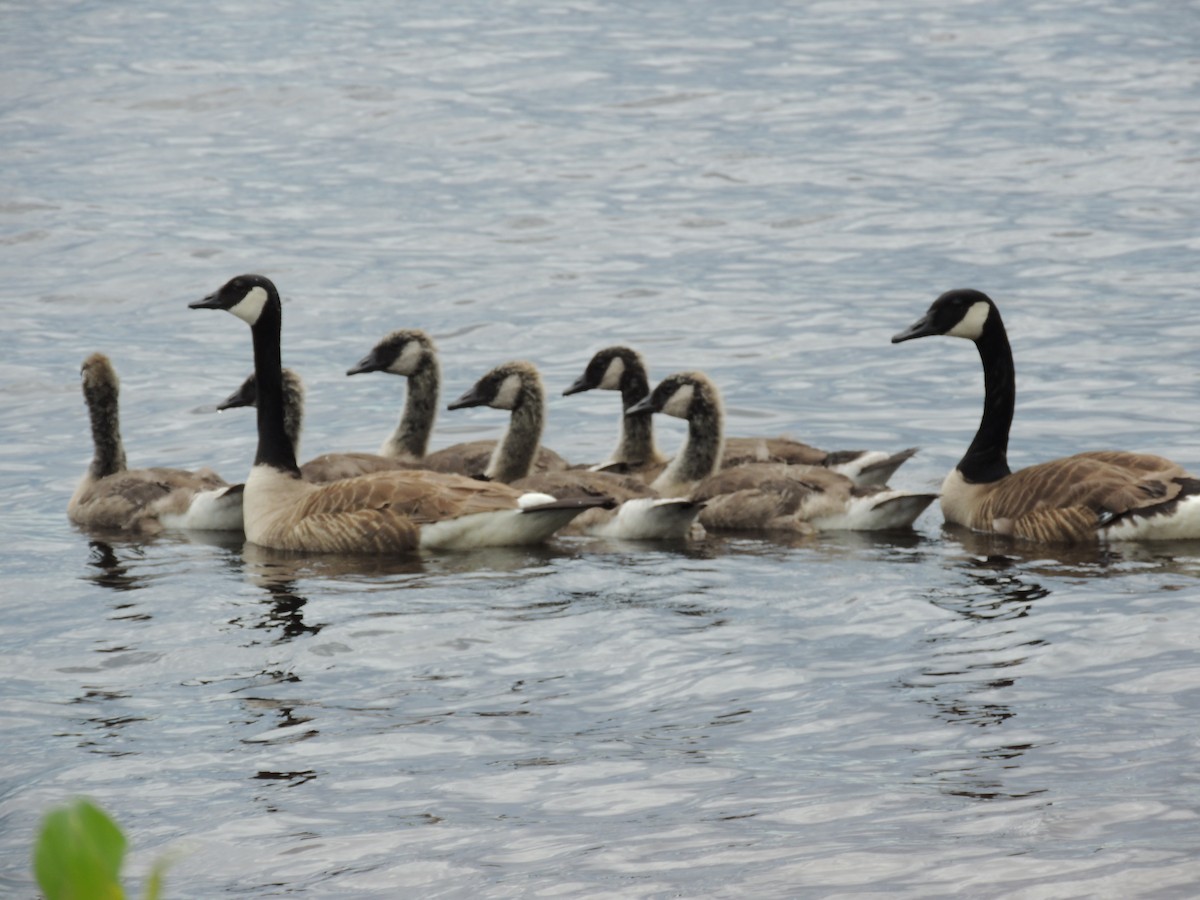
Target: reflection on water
972,676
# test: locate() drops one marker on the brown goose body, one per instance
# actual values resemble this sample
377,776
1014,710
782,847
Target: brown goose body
412,354
623,369
1097,495
112,496
764,496
802,500
383,513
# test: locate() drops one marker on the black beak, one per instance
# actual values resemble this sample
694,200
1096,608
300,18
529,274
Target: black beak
369,363
240,397
212,301
920,328
472,397
579,385
642,406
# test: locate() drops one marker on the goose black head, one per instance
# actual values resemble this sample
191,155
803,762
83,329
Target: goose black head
244,295
682,395
611,369
403,352
505,387
960,313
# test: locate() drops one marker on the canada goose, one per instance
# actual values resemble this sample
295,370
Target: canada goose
517,387
622,369
764,496
328,466
143,500
641,515
385,512
1105,495
412,354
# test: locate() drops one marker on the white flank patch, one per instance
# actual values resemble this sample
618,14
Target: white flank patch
1182,525
612,375
534,498
971,325
406,363
650,519
503,528
510,390
680,402
250,307
215,510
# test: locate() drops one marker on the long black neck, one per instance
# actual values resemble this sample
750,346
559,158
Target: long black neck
274,446
411,437
637,431
986,460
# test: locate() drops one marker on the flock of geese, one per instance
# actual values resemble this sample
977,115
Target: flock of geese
514,491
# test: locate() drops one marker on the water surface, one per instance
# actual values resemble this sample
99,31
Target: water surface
767,192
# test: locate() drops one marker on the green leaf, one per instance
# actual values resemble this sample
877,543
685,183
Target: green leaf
79,853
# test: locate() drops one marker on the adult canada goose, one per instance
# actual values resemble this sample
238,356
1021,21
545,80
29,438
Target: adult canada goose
328,466
143,500
622,369
517,387
385,512
1105,495
764,496
412,354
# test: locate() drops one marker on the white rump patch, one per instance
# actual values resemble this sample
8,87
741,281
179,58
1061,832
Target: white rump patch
408,360
612,375
971,325
250,307
510,390
680,402
534,498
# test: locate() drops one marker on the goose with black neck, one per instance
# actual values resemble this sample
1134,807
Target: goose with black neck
1106,495
380,513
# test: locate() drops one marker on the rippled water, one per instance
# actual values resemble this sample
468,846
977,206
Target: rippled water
766,191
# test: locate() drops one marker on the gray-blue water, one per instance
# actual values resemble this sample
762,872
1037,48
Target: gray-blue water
767,191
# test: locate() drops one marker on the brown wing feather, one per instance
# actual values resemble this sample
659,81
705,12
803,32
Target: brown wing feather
768,495
579,483
119,500
337,466
742,450
1061,501
382,512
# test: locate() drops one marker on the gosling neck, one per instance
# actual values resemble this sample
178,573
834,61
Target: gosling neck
108,453
410,440
700,454
514,454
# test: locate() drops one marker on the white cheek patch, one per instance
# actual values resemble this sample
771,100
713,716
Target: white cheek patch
250,307
510,390
680,402
612,375
971,325
408,360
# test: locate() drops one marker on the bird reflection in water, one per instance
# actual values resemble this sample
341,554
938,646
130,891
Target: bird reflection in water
971,679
